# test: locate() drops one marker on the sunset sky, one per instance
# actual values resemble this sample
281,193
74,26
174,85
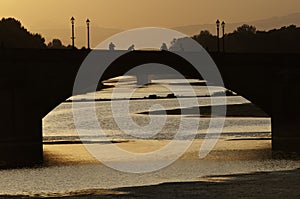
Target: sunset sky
47,15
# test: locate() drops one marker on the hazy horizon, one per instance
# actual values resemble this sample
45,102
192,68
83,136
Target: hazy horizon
52,18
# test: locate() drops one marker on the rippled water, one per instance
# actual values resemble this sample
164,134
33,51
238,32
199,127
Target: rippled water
59,125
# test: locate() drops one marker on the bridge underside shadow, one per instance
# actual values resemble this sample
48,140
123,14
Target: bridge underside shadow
34,82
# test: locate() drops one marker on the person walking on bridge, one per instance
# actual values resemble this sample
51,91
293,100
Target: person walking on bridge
111,46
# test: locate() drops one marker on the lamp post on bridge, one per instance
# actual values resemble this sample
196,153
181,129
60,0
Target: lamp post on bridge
218,34
88,33
73,32
223,36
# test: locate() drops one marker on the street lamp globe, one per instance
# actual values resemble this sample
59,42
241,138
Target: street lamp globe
223,24
72,20
218,23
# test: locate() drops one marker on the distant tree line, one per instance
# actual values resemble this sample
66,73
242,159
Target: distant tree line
247,39
57,44
14,35
244,39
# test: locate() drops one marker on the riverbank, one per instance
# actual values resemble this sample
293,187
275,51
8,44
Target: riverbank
273,185
277,184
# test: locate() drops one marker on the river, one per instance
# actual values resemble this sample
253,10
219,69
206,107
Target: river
244,145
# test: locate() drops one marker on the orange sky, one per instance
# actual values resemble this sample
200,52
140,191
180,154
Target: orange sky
123,14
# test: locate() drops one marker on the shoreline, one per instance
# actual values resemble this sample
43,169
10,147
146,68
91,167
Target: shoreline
276,184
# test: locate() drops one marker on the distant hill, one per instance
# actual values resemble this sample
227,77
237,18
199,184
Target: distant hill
277,22
98,33
264,24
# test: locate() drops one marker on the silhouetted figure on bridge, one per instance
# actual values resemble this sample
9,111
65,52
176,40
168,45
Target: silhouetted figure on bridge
164,46
131,47
111,46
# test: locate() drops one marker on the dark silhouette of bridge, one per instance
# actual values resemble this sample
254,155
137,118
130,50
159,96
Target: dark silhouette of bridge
33,82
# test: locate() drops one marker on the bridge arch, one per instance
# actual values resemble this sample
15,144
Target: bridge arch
36,81
133,59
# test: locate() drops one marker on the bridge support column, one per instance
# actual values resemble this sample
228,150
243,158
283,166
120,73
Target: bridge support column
286,133
21,128
286,114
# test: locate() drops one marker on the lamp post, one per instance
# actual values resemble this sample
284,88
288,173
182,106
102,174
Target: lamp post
88,32
223,36
73,34
218,34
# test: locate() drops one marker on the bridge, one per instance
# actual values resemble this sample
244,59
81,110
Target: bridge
33,82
